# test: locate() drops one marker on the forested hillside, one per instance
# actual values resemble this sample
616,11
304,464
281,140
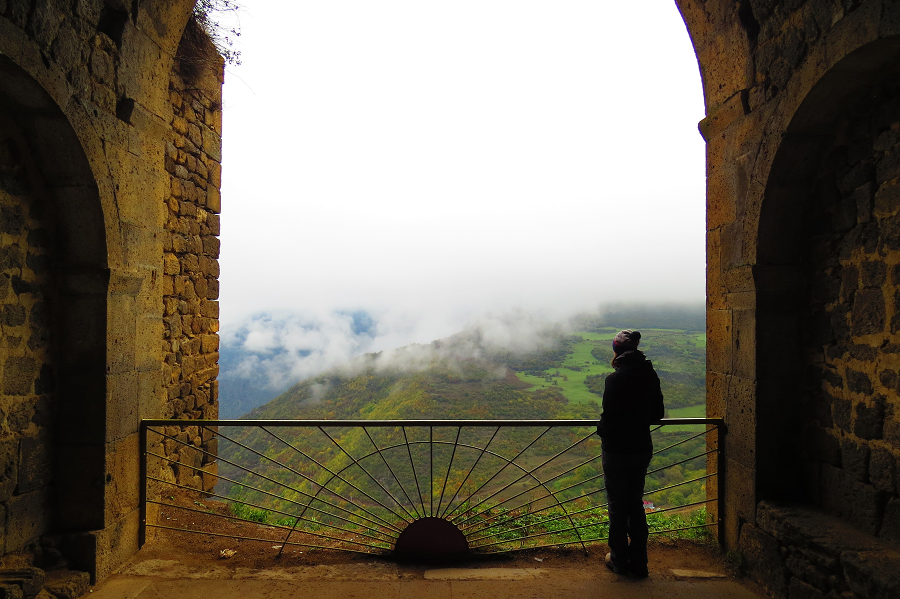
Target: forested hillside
462,378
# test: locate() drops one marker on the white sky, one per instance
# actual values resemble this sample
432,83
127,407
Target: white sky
431,161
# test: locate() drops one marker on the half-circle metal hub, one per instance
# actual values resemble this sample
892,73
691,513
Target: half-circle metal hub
431,538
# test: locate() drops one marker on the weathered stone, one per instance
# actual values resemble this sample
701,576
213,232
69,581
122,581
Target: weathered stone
869,422
846,497
800,590
890,527
35,462
11,591
858,382
763,557
888,378
27,517
863,353
823,446
887,198
843,411
883,469
29,580
872,574
863,198
210,308
67,584
855,459
849,282
9,467
13,315
868,314
19,375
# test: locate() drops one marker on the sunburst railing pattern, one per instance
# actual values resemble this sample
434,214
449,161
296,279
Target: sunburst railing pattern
414,487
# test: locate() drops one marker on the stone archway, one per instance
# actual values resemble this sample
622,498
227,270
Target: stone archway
829,237
53,241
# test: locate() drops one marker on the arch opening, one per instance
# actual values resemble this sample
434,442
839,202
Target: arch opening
829,240
54,285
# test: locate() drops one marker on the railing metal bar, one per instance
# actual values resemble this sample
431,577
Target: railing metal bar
296,490
463,530
221,459
274,461
564,489
686,482
347,499
393,423
431,467
276,526
413,466
391,470
530,473
303,513
375,480
219,534
593,539
579,483
449,467
469,473
278,496
142,531
682,461
681,507
682,441
538,467
508,462
552,532
601,489
384,527
721,432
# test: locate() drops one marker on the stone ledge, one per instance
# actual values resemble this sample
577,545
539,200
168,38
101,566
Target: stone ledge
870,566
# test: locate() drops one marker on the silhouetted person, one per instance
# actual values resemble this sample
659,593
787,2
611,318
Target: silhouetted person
632,399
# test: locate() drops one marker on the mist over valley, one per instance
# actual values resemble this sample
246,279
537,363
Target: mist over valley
513,365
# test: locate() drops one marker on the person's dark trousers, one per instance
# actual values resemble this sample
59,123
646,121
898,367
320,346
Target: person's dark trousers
624,474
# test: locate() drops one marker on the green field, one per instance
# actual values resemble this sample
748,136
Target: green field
679,357
571,382
691,412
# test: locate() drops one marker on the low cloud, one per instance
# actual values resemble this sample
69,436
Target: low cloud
267,353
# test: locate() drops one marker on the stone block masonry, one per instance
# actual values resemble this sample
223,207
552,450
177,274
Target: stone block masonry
27,369
110,152
851,406
800,553
190,278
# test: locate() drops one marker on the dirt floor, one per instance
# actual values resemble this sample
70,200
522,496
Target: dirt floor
206,549
199,552
176,563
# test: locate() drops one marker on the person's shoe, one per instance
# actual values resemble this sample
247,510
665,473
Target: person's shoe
612,566
638,572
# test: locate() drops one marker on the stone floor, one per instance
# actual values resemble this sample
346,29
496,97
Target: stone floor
156,578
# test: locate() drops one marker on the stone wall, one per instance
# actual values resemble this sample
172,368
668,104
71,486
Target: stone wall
191,271
799,553
852,405
108,263
801,288
27,378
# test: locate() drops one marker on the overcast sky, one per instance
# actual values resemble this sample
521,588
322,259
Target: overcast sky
429,162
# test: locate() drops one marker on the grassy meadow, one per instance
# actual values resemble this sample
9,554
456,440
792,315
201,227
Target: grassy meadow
679,358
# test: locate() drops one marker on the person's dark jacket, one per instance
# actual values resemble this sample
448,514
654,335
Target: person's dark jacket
632,399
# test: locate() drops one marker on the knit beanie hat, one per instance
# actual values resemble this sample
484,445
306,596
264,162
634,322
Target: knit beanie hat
626,340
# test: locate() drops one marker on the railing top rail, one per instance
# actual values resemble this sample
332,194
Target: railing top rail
378,423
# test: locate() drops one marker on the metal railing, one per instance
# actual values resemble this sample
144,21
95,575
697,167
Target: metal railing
415,487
